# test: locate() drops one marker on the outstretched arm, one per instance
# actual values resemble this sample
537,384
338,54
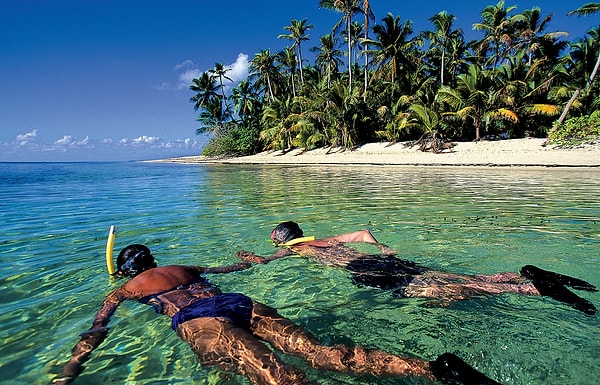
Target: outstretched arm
250,257
227,269
92,338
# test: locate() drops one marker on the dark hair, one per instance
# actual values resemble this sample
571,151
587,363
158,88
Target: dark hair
286,231
134,259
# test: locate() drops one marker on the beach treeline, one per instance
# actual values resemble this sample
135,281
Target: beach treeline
379,80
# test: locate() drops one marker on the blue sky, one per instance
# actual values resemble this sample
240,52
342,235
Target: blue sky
87,80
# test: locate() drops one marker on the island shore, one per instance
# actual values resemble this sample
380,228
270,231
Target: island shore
502,153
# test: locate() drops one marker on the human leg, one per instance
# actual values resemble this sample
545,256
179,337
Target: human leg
219,342
505,277
290,338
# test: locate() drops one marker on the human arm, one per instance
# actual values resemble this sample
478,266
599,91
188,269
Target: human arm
92,338
364,236
250,257
227,269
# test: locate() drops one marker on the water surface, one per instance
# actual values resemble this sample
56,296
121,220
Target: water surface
55,218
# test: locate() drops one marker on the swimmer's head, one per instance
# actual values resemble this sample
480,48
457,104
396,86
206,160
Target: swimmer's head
134,259
285,232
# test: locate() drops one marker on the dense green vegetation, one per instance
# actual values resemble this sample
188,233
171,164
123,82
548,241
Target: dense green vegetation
576,131
381,81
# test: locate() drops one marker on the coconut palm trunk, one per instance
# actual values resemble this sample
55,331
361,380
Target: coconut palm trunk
587,9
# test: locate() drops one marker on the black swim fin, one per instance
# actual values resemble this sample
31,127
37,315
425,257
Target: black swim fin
450,369
533,272
551,287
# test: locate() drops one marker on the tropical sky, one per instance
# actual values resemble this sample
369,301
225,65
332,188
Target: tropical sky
109,80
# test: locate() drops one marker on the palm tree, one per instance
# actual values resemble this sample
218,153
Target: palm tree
498,27
457,57
587,9
584,53
441,37
348,8
530,31
327,57
219,72
263,69
393,48
278,122
297,34
287,58
205,88
244,100
369,15
356,35
475,98
343,115
213,119
523,88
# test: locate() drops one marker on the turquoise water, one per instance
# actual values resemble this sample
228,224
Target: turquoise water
55,218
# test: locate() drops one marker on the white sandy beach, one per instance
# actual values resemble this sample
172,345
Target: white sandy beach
504,153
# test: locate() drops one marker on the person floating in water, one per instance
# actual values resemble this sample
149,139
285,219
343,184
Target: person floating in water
407,279
228,330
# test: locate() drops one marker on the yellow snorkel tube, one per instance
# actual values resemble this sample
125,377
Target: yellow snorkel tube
295,241
109,250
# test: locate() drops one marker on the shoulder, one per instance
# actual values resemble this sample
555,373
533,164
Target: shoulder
163,278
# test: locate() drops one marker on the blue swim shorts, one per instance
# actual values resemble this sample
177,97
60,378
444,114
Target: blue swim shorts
233,306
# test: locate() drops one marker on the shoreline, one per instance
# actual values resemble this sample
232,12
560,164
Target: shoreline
501,153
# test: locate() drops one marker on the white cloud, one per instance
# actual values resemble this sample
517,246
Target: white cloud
71,141
64,141
185,79
73,148
186,143
237,71
185,64
27,136
144,139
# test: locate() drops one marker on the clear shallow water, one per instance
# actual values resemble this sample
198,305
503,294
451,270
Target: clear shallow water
54,220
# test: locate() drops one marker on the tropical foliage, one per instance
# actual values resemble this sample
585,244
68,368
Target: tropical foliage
384,81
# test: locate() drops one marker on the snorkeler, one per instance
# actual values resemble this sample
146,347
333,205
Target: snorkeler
407,279
227,330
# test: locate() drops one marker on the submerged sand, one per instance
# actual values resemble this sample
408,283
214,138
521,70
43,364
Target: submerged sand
504,153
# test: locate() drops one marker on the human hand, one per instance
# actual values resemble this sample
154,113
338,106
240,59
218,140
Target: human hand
68,374
248,256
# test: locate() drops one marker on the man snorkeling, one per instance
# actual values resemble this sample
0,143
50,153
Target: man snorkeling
228,329
407,279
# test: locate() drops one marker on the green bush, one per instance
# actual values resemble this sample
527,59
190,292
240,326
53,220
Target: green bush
219,147
576,131
238,141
